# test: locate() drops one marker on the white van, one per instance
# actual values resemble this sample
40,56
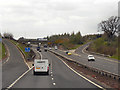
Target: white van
41,66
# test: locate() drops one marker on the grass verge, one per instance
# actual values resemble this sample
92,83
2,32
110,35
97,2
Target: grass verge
22,47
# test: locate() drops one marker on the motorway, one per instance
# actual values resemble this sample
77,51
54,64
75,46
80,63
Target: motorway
60,75
102,63
12,67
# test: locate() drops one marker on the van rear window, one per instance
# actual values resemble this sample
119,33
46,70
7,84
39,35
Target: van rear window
40,61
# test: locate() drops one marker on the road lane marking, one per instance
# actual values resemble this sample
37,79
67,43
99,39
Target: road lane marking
8,54
52,78
51,75
98,57
51,72
6,61
40,55
81,75
17,47
18,78
54,84
24,59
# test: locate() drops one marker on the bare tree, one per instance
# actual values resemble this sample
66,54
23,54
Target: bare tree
8,35
110,26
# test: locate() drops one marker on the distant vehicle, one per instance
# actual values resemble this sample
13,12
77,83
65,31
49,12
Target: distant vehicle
56,48
91,58
69,53
41,66
38,49
45,48
50,48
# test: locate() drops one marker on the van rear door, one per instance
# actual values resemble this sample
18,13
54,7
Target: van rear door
41,66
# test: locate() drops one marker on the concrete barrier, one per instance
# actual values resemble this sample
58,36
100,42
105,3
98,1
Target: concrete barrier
102,72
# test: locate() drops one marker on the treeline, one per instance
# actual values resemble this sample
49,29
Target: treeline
109,43
71,41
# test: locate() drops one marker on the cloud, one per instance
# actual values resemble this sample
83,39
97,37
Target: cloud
40,18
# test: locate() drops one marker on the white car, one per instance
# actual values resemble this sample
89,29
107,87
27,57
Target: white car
41,66
56,48
50,48
91,58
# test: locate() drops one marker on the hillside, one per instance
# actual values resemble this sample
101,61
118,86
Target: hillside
70,41
105,46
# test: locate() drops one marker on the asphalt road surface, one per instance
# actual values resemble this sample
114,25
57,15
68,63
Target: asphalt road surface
60,76
13,67
101,62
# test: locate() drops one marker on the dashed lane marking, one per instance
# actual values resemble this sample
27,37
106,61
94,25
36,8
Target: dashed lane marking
51,75
52,78
81,75
54,84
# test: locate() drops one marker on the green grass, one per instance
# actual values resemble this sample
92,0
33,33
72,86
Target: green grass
75,47
106,47
116,57
0,51
21,46
3,51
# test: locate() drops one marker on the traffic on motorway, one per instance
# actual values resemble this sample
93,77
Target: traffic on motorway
47,69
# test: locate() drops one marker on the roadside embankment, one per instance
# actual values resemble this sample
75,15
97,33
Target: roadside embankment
4,53
104,47
28,56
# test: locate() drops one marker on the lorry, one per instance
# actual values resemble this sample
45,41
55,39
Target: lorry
41,66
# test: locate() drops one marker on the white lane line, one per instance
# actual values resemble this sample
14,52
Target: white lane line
81,75
8,54
51,72
18,78
99,57
40,55
54,84
17,47
6,60
51,75
23,57
52,78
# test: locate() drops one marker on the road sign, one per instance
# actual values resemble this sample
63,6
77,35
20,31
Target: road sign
0,39
27,49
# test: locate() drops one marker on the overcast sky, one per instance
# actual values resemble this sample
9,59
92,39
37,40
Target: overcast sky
40,18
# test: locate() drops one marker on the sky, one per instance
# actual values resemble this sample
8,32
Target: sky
41,18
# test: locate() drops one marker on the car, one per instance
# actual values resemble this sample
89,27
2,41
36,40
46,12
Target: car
91,58
50,48
56,48
38,48
69,53
41,66
45,48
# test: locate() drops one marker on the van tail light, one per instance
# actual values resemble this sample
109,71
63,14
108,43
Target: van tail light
47,68
33,68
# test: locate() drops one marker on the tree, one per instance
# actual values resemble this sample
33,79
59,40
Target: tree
8,35
76,38
110,26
